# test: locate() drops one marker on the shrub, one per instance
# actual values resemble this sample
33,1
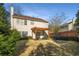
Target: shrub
3,45
14,35
8,38
8,43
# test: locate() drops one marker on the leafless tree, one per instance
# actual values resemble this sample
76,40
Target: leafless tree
55,22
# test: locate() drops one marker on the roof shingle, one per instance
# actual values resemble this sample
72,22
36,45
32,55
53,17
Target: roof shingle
28,18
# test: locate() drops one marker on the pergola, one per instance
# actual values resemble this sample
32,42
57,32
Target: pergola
36,29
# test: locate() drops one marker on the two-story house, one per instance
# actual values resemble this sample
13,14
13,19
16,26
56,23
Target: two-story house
68,26
68,29
29,26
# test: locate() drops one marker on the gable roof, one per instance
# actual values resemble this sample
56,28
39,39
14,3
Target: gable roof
66,24
29,18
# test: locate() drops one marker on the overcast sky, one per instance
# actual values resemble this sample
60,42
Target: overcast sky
46,10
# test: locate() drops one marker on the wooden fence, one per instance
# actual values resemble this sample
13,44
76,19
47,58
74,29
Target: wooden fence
66,33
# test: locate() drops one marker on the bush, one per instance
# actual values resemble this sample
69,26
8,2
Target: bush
3,45
8,38
8,43
14,35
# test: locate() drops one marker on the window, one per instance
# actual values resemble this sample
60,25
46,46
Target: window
25,22
24,33
32,23
18,21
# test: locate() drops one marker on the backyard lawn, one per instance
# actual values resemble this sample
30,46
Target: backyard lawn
47,48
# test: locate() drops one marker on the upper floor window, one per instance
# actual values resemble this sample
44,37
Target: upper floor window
32,23
25,22
19,21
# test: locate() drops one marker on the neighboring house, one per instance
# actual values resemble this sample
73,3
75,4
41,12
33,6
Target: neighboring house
29,26
68,29
68,26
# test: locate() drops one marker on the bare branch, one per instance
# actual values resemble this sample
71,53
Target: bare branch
55,22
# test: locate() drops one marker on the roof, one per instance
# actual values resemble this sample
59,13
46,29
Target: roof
69,22
65,25
29,18
38,29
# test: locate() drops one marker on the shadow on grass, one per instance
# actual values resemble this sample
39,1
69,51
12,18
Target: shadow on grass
47,50
40,51
68,48
52,50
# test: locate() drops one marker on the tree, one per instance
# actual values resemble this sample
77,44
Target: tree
55,23
4,27
8,43
77,22
8,38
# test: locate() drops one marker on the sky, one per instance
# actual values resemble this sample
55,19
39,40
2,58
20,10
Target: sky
46,10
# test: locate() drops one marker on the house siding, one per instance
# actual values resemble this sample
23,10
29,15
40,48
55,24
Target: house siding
21,27
68,27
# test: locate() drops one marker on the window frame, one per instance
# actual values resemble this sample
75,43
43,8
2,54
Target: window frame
24,33
25,22
18,21
32,22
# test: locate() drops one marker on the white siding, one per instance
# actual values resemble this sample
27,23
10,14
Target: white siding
70,26
22,27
